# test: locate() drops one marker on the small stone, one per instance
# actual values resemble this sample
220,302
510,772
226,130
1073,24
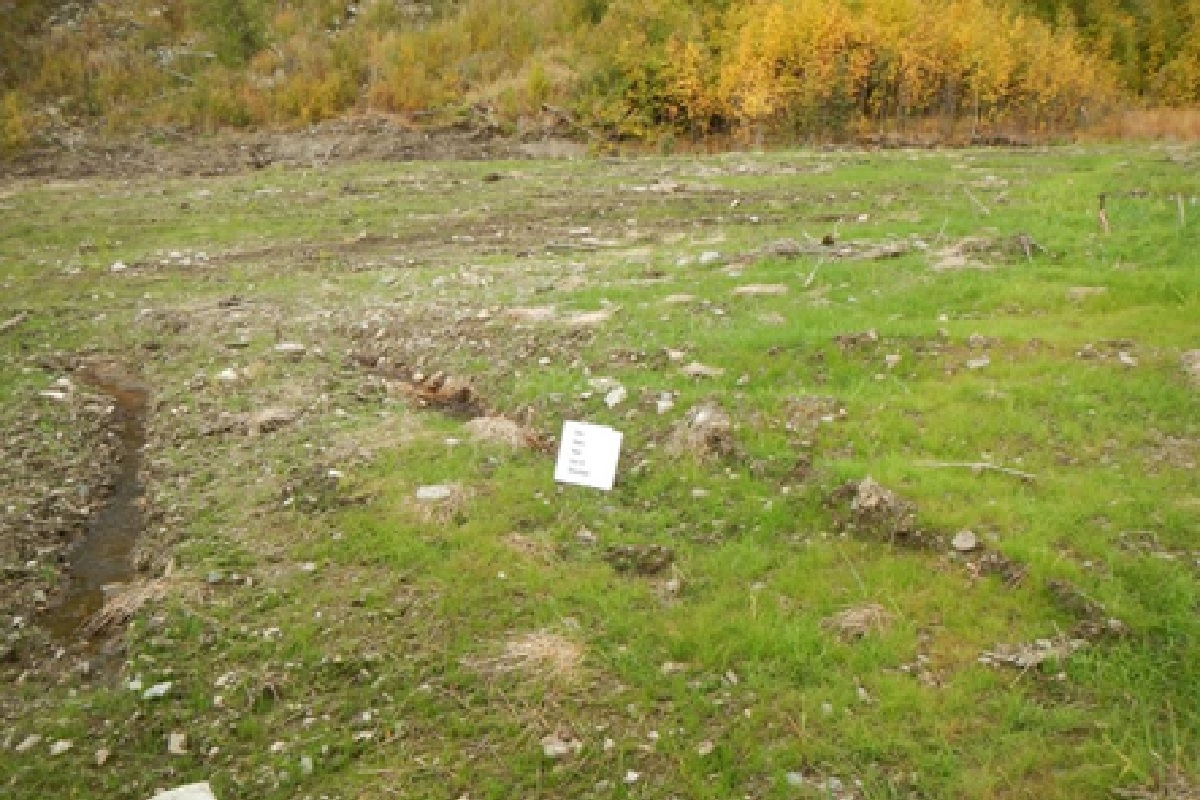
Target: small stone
29,742
117,266
979,363
293,350
665,402
709,257
965,541
228,375
193,791
698,370
632,776
306,765
556,747
584,536
157,691
615,397
60,747
102,756
1127,359
177,744
795,779
892,360
434,493
705,748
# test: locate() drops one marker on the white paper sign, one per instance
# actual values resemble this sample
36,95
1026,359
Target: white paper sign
587,455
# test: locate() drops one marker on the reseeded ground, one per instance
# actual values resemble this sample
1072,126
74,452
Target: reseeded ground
358,578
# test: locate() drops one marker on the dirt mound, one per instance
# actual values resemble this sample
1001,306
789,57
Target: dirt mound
705,432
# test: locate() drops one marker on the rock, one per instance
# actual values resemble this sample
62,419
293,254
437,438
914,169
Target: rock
705,748
228,375
435,493
177,744
1127,359
102,756
157,691
757,289
29,742
664,403
892,360
60,747
193,791
117,266
556,746
615,397
795,779
306,765
501,430
698,370
965,541
709,257
679,299
632,776
292,350
979,363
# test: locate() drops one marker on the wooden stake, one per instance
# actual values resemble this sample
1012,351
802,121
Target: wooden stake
1104,216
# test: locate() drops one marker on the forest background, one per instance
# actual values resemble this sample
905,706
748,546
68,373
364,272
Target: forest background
663,72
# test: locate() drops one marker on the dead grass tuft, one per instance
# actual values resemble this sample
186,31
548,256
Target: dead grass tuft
537,654
122,607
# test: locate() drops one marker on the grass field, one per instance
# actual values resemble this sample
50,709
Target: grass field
743,615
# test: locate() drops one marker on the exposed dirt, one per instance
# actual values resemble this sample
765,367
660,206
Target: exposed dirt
87,155
60,458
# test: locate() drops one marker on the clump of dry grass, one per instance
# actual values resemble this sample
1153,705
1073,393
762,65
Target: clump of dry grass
537,654
1171,124
122,607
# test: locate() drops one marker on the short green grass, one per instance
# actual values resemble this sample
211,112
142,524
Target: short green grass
361,652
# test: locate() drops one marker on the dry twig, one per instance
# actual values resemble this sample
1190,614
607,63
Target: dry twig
979,466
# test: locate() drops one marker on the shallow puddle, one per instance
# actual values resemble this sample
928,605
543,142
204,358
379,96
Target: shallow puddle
103,557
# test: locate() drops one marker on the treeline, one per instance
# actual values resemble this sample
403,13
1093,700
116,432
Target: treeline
617,68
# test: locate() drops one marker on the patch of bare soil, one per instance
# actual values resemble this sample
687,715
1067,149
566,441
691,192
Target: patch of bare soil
59,457
91,155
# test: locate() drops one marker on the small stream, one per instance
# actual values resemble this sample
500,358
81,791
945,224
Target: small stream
104,556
